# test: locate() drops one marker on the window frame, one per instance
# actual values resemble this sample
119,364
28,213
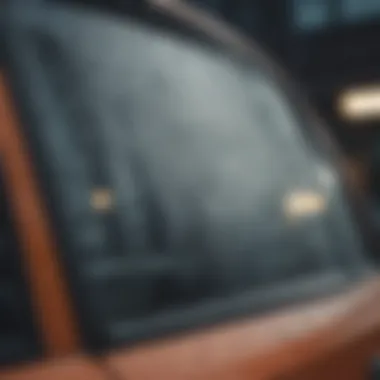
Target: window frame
205,318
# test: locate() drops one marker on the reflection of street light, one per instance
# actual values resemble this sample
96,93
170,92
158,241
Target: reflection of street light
101,200
360,104
303,204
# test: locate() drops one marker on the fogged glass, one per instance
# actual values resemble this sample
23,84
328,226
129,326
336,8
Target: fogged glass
180,173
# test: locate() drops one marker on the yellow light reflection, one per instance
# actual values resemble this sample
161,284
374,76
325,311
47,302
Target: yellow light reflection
302,204
360,104
101,199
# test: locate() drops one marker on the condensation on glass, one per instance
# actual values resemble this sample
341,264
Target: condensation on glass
179,174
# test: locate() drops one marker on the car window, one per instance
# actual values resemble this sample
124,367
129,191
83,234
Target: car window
178,174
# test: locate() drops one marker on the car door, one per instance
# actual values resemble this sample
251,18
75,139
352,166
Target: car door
196,225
